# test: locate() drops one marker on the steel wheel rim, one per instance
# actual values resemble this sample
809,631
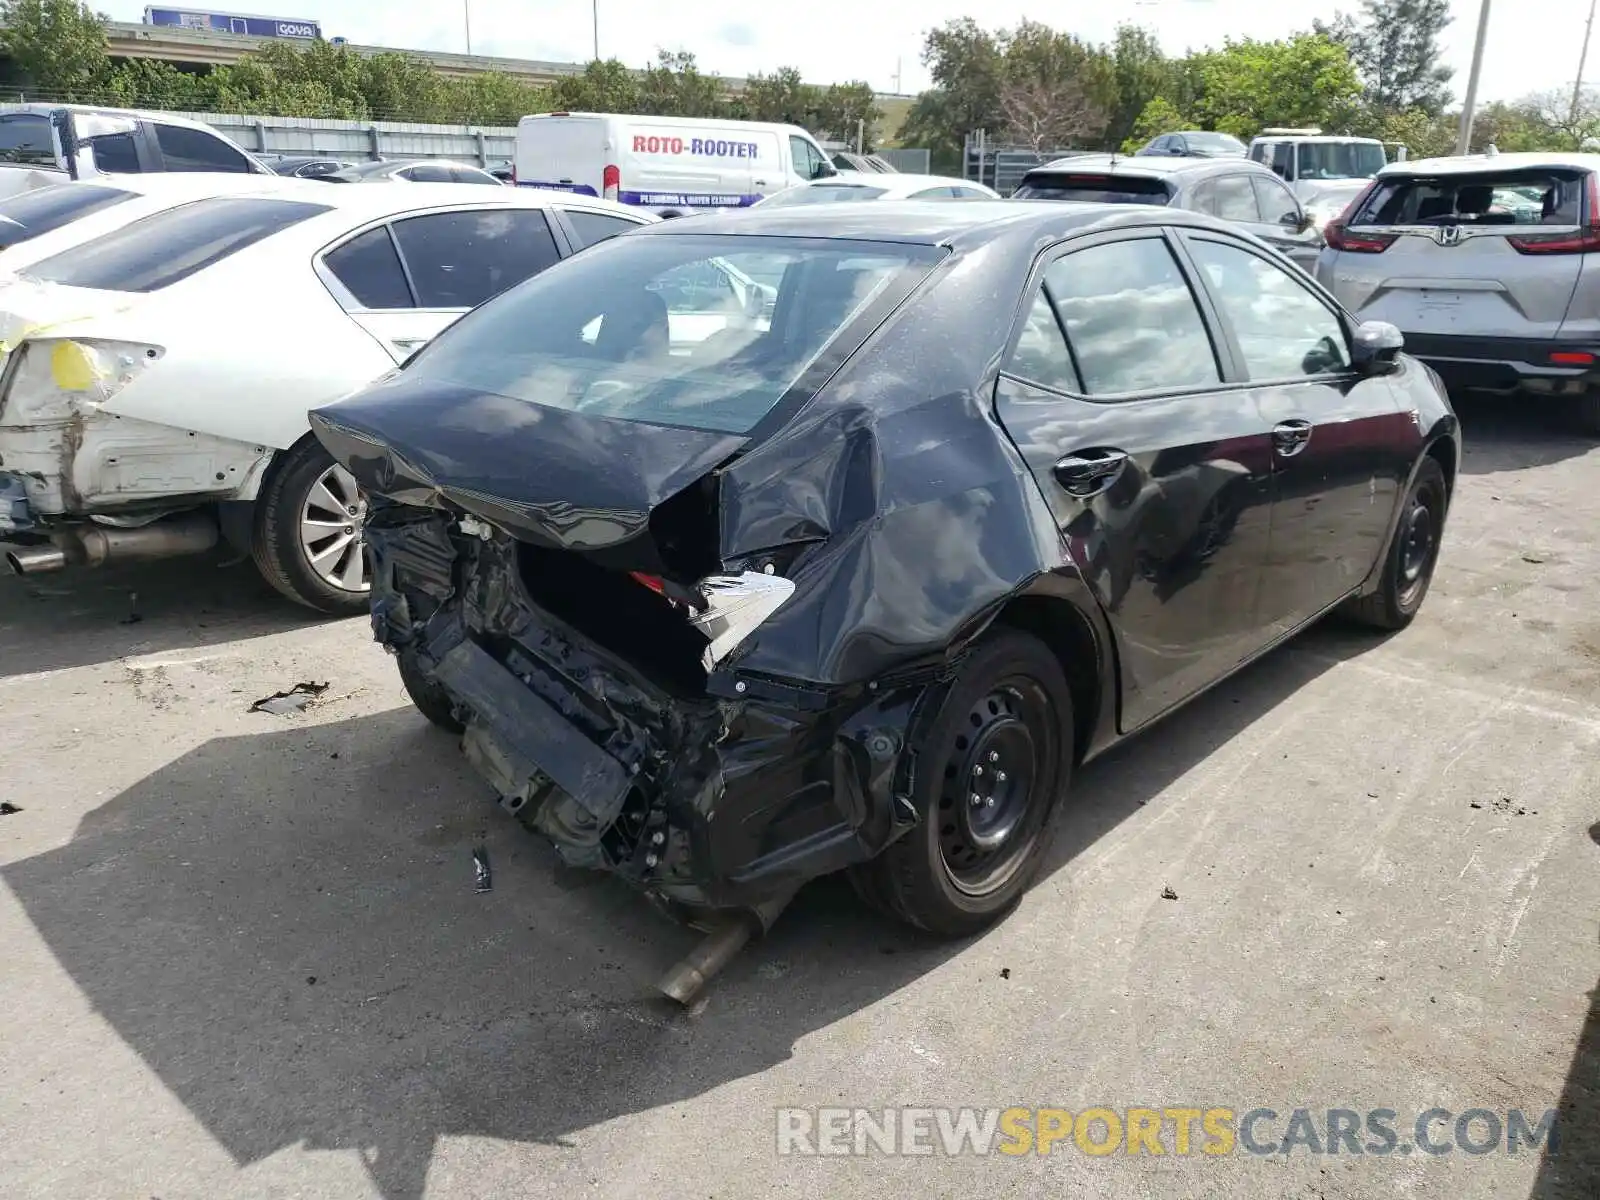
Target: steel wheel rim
333,539
995,780
1417,543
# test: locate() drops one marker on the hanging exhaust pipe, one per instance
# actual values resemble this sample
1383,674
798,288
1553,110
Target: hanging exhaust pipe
35,560
726,937
96,545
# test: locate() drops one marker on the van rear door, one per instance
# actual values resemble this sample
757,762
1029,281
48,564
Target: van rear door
569,154
1472,254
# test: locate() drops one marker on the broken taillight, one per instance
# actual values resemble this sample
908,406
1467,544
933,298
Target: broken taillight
734,606
653,582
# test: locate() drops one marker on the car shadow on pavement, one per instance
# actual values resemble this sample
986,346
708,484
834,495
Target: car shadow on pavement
1500,434
284,928
81,617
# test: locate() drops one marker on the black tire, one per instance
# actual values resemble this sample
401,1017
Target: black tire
1587,412
280,554
949,875
1409,564
432,701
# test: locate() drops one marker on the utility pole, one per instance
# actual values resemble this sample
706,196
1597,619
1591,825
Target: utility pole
1583,61
466,17
594,8
1470,104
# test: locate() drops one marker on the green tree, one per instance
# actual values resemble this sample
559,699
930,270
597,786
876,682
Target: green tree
59,47
841,110
967,64
674,87
1306,80
1395,46
150,83
782,96
396,87
608,87
1159,116
1142,75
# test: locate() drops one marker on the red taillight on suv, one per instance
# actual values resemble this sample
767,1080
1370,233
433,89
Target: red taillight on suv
1585,241
1338,236
611,182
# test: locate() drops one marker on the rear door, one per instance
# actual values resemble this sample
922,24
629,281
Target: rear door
1158,473
405,281
1481,255
1342,446
566,153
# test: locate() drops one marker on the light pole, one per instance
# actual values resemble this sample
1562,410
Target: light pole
466,17
595,9
1583,61
1464,137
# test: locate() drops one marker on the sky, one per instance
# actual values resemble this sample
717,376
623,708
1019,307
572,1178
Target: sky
880,42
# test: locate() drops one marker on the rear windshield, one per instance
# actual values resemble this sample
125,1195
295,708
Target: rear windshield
32,213
823,193
160,250
1222,143
1487,198
697,331
1093,189
1340,160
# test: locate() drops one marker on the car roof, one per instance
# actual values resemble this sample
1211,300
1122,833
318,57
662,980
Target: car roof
1315,137
891,179
924,222
142,114
195,184
1127,164
1472,164
374,203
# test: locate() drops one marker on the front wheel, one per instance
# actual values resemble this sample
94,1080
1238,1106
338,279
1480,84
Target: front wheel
309,541
991,767
1408,569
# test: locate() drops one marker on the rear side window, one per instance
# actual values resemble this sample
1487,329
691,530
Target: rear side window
1093,189
429,173
370,268
1487,198
1131,318
185,149
32,213
468,175
1284,331
592,227
1230,197
116,154
1276,202
460,259
170,246
25,138
1041,355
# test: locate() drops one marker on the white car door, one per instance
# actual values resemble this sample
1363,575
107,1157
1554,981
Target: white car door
405,280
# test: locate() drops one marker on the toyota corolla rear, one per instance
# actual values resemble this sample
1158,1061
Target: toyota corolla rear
565,579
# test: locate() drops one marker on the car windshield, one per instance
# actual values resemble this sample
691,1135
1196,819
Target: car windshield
1219,142
1093,189
1340,160
823,193
675,330
1483,198
172,245
32,213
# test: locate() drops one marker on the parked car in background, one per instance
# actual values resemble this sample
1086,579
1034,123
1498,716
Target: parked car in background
666,162
1487,264
43,221
898,186
307,166
42,144
1309,161
1195,143
867,164
993,486
504,170
1238,191
424,171
170,409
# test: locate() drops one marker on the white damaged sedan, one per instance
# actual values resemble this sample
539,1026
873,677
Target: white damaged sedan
156,378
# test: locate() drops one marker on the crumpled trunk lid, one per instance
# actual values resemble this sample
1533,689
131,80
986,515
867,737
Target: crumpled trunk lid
549,476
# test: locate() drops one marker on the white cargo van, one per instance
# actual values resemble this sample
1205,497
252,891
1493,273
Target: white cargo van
665,162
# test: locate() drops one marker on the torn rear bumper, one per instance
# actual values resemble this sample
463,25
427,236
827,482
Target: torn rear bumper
725,793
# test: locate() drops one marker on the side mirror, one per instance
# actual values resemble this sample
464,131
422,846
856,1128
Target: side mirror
1376,345
1296,220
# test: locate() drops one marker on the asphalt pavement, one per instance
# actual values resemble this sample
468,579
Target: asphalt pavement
244,953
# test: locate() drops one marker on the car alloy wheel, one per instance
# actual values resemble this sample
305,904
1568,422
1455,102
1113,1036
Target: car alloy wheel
332,537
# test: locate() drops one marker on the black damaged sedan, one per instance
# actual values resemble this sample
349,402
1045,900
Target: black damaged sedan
755,546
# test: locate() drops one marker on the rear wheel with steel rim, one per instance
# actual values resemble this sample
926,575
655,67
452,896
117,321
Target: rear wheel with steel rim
991,767
309,541
1413,554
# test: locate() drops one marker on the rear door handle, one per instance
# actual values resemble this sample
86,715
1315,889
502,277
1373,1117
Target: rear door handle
1291,437
1090,472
